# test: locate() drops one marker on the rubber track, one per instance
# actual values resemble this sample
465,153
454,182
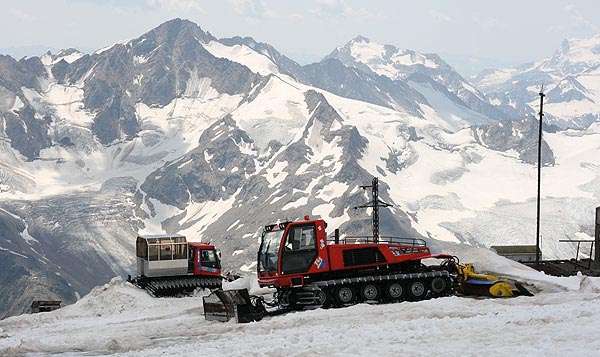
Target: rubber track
176,286
380,278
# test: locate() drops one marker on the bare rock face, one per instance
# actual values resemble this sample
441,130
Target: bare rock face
19,121
521,136
215,169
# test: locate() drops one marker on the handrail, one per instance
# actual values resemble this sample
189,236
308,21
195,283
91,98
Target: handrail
579,241
382,239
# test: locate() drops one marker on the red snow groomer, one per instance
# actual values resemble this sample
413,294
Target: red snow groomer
168,265
308,268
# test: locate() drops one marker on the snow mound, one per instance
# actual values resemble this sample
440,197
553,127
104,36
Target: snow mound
247,282
487,262
111,298
118,318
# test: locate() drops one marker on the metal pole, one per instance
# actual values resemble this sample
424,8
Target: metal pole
590,261
537,235
375,205
597,239
376,210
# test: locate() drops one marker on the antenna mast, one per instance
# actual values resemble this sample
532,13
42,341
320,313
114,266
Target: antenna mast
375,204
537,237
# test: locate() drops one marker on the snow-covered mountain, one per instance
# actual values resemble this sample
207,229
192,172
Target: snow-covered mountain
570,78
178,131
427,73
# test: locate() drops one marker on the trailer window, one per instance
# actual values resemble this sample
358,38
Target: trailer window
166,252
178,239
141,248
180,251
153,252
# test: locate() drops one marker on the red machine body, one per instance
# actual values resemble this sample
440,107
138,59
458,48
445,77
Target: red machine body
315,257
203,259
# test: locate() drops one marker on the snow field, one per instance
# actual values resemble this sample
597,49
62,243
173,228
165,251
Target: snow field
256,62
120,319
373,55
268,117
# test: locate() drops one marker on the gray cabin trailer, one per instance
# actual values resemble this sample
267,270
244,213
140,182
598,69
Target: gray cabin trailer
161,255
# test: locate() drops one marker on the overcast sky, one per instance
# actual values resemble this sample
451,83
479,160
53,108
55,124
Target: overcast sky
505,32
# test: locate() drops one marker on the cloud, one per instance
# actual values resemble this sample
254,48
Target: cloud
328,8
439,16
177,5
330,3
253,8
296,17
486,23
23,16
578,20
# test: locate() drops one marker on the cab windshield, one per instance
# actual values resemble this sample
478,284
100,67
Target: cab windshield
269,252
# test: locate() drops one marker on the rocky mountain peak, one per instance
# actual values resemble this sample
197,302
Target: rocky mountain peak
165,63
175,30
401,64
574,56
360,38
568,76
69,55
68,51
238,40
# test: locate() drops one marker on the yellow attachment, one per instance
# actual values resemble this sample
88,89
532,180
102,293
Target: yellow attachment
467,271
501,289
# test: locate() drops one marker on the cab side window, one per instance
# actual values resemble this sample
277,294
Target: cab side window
300,249
301,238
209,259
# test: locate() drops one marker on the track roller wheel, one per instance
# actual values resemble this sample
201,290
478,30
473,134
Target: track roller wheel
320,297
344,295
394,291
369,292
438,285
417,290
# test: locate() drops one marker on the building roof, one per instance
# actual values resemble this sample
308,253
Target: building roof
514,249
38,303
151,236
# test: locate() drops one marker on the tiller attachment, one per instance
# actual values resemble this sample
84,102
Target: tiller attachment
223,305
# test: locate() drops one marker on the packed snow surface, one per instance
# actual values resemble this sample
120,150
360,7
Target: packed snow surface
118,318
